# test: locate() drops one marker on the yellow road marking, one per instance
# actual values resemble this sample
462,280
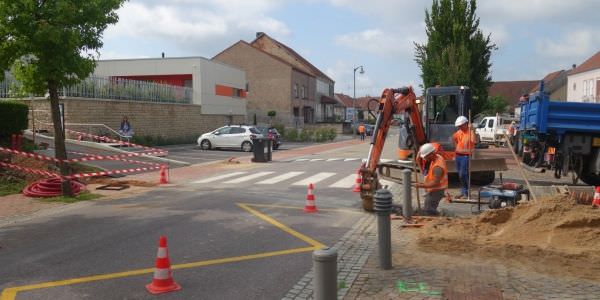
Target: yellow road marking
296,207
277,224
11,293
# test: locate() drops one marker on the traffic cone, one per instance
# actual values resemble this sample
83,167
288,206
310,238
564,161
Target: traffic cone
310,206
162,282
596,201
163,174
358,182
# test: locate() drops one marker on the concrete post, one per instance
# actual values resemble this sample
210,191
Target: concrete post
407,209
383,207
325,266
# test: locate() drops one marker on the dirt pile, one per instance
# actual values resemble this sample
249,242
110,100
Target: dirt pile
553,235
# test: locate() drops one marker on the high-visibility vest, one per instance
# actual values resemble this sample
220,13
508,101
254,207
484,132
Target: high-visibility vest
465,142
361,129
443,184
511,130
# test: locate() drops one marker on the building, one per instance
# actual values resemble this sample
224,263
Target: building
511,91
555,85
219,89
584,81
281,80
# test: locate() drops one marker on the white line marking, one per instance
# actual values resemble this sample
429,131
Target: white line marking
317,159
280,178
346,182
315,178
249,177
302,159
351,159
211,179
334,159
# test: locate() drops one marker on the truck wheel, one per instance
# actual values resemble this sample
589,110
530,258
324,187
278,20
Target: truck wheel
483,177
588,177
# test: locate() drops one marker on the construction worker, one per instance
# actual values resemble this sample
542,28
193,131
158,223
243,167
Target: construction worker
361,131
511,132
464,140
436,178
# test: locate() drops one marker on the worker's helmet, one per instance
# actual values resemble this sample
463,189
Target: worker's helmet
461,120
426,149
513,122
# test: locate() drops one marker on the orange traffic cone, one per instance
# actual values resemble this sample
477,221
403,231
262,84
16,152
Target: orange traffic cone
596,201
162,282
358,182
163,174
310,206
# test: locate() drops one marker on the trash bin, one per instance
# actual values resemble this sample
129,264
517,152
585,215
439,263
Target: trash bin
259,145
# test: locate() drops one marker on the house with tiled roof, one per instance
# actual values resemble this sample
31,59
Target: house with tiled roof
511,91
584,81
555,85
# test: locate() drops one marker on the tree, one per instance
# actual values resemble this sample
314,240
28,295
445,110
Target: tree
50,45
494,105
456,52
271,114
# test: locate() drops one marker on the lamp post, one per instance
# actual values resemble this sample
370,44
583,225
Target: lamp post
354,114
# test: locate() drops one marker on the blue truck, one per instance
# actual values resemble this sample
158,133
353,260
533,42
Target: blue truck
562,136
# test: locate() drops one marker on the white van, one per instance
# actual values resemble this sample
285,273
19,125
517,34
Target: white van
493,130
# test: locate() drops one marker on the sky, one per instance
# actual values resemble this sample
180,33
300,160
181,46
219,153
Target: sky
534,37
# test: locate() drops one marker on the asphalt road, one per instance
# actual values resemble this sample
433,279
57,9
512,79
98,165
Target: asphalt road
212,226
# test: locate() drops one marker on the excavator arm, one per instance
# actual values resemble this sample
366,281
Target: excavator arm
392,101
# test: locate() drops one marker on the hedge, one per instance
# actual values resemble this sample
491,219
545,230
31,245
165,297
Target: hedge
13,118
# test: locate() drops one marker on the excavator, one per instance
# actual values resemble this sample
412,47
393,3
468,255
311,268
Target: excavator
441,107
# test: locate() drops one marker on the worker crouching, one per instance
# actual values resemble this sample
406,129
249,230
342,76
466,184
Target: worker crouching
464,140
436,178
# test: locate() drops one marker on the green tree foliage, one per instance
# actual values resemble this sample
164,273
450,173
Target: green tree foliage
493,105
13,119
51,44
456,51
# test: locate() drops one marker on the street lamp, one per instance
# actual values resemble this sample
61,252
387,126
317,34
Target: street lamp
362,71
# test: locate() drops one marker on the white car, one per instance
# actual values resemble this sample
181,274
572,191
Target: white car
233,136
493,130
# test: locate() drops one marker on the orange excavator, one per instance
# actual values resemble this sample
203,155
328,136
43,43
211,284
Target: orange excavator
441,107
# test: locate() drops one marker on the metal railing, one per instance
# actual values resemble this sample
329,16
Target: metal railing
111,88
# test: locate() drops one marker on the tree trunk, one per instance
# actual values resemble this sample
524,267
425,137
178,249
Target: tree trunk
60,150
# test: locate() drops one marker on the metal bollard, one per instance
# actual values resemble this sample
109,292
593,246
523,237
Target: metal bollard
407,209
325,266
383,207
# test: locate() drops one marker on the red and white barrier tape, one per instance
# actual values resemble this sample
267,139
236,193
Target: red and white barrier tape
91,157
28,170
104,173
30,155
107,139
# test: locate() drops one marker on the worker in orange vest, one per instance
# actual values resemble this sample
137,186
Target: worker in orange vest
361,131
511,132
436,178
464,140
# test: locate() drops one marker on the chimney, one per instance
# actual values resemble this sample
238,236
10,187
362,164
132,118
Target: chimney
574,65
163,55
258,34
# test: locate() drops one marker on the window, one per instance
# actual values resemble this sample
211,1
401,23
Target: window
237,93
303,92
236,130
296,112
296,90
247,87
574,85
443,109
585,87
254,130
491,123
224,130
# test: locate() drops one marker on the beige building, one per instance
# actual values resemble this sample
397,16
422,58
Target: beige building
584,81
280,80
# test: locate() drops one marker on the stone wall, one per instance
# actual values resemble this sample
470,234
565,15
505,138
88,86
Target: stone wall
173,121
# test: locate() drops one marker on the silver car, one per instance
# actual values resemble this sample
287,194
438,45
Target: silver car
232,136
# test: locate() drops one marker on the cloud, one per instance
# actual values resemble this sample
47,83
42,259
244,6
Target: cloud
552,11
573,44
379,42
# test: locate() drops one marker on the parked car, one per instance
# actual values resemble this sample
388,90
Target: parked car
368,129
233,136
272,133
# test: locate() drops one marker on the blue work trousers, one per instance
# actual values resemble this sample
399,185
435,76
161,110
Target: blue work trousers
462,166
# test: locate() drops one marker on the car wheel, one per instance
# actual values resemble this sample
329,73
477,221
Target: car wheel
275,147
205,145
246,146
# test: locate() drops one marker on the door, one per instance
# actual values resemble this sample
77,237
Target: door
236,136
220,137
487,132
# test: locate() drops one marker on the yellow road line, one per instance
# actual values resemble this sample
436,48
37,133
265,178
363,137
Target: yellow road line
296,207
277,224
11,293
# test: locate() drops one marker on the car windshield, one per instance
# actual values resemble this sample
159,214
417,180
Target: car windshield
254,130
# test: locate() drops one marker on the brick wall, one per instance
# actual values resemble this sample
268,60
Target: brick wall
154,119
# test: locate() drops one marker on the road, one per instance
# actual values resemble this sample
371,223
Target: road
232,235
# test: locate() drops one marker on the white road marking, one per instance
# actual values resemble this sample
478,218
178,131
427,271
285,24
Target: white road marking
302,159
211,179
334,159
280,178
346,182
249,177
315,178
317,159
351,159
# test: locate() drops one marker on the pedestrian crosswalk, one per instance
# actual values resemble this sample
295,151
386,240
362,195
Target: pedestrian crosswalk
291,178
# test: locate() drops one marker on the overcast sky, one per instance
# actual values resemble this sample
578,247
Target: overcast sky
534,37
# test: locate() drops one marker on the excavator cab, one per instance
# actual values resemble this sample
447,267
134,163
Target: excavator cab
441,108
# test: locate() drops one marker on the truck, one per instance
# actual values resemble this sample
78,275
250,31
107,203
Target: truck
561,136
494,129
433,124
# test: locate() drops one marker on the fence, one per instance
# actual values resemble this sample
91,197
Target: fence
111,88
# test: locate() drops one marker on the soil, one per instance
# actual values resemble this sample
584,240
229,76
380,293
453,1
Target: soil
553,235
115,182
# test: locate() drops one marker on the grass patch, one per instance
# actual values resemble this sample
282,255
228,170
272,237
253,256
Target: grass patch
85,196
9,187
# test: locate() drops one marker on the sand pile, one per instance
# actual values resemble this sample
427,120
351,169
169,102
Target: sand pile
552,235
